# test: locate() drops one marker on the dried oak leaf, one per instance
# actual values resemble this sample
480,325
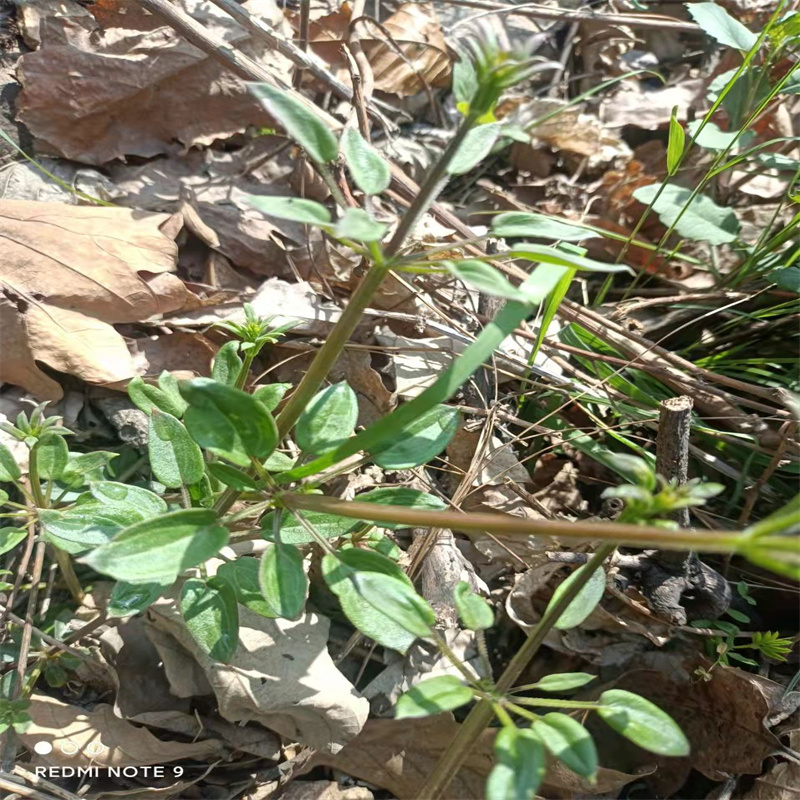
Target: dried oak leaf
67,273
414,54
94,94
100,739
398,755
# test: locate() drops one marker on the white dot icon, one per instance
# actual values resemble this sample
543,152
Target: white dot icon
68,748
43,748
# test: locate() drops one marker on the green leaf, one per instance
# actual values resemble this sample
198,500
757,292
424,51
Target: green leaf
227,364
371,621
713,138
519,768
296,209
283,580
174,458
164,397
702,221
477,144
563,682
143,501
562,258
328,419
720,25
400,496
483,277
675,143
271,395
397,600
465,79
569,742
10,538
643,723
433,696
369,169
356,224
81,467
229,422
212,617
475,612
329,526
158,550
133,598
230,476
9,470
517,224
422,440
86,525
242,575
52,455
302,124
278,462
585,601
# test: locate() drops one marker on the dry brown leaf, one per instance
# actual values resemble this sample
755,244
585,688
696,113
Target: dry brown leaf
81,738
281,676
781,781
415,31
67,273
398,755
94,94
324,790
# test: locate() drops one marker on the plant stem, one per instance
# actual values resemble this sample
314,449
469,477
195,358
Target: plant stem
480,522
480,716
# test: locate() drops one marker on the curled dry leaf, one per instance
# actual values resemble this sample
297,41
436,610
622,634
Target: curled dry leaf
415,32
398,755
69,272
102,739
281,676
94,94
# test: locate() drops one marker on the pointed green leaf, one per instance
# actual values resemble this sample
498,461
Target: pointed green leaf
164,397
519,765
83,467
569,742
145,502
133,598
401,496
475,612
212,617
228,422
174,458
242,575
477,144
302,124
356,224
483,277
271,395
433,696
675,143
422,440
562,258
86,525
702,221
230,476
372,622
585,601
720,25
518,224
369,169
328,419
643,722
296,209
328,526
9,470
563,681
10,538
158,550
283,580
397,600
52,455
227,364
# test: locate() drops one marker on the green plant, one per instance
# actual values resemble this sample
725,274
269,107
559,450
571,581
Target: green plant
214,441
